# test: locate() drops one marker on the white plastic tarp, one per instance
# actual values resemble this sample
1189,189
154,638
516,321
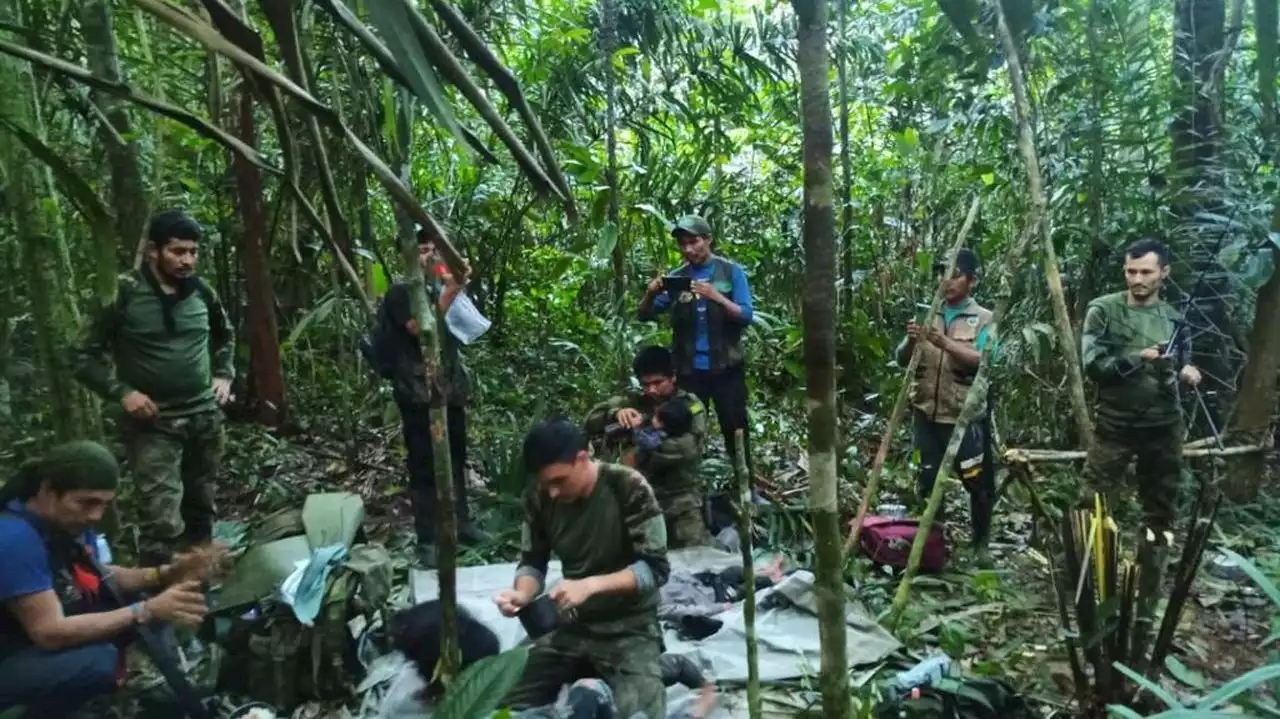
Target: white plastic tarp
786,631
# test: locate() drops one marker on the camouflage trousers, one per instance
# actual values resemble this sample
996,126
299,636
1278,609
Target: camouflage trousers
173,462
628,663
1158,455
686,526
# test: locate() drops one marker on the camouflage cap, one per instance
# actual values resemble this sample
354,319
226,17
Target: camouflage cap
691,225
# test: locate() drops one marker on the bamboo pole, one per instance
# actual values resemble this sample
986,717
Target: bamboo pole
746,527
1051,455
1039,222
900,404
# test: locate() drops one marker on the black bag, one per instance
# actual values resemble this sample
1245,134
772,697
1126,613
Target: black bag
377,344
958,698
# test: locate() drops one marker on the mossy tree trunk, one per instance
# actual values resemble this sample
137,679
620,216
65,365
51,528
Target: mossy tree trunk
819,304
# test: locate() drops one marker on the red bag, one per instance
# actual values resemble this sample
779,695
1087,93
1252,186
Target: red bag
888,541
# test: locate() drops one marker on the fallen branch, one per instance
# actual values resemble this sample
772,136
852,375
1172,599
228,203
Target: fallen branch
900,404
1019,456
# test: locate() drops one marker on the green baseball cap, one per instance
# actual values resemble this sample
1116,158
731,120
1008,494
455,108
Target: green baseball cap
692,225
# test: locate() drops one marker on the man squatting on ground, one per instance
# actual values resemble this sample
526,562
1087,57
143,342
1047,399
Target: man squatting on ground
948,364
62,642
1125,349
414,397
170,342
672,457
707,323
605,525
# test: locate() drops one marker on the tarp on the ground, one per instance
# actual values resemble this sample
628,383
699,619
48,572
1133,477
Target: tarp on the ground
786,631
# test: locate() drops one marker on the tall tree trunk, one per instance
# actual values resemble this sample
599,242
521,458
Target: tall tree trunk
1040,217
43,254
267,390
8,311
1097,91
1257,399
608,45
128,194
1196,130
819,302
431,339
846,163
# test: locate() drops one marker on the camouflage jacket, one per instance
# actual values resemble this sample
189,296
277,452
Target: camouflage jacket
618,526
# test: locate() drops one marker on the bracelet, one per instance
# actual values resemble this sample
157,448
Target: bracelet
140,612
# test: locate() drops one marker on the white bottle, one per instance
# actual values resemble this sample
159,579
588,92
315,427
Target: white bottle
104,551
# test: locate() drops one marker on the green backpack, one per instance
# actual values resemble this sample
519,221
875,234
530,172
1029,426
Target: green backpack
268,655
958,698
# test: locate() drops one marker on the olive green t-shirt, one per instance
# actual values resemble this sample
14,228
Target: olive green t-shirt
618,525
1132,392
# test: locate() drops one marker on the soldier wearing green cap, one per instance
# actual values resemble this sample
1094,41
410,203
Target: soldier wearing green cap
707,321
163,349
62,637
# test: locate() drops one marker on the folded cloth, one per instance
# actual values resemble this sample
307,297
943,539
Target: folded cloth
304,589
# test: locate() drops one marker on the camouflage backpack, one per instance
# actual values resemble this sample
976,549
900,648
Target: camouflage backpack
270,655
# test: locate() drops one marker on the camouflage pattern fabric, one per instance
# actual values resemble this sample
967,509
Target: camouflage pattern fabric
605,413
628,665
1158,451
174,462
685,524
619,525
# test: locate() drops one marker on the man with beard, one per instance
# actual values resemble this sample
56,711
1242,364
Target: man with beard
673,464
414,396
707,322
1126,349
62,635
171,344
948,364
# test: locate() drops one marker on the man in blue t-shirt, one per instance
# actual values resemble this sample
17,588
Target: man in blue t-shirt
949,358
61,637
707,321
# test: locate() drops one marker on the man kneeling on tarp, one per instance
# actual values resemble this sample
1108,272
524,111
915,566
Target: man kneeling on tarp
61,641
604,524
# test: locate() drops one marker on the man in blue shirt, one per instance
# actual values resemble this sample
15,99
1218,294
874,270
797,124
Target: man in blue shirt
707,321
949,357
61,637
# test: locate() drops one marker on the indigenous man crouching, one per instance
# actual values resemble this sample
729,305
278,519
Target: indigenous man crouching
669,455
62,641
604,524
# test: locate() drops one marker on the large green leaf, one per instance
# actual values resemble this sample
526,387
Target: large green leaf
480,689
391,18
506,83
1264,583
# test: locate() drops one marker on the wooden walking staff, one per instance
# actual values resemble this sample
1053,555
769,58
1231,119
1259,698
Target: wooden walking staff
900,405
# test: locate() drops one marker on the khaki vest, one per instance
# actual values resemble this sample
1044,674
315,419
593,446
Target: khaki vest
940,384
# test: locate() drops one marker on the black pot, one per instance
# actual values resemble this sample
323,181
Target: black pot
539,617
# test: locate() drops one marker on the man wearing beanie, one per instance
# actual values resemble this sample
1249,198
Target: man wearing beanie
61,637
163,350
949,359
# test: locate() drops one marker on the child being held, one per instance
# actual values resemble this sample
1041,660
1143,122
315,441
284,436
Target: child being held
673,419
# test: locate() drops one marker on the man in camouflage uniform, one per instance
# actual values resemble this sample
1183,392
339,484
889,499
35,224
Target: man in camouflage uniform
674,468
414,396
605,525
1130,347
171,344
948,364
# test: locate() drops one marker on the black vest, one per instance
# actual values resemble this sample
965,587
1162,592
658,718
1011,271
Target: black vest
724,334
